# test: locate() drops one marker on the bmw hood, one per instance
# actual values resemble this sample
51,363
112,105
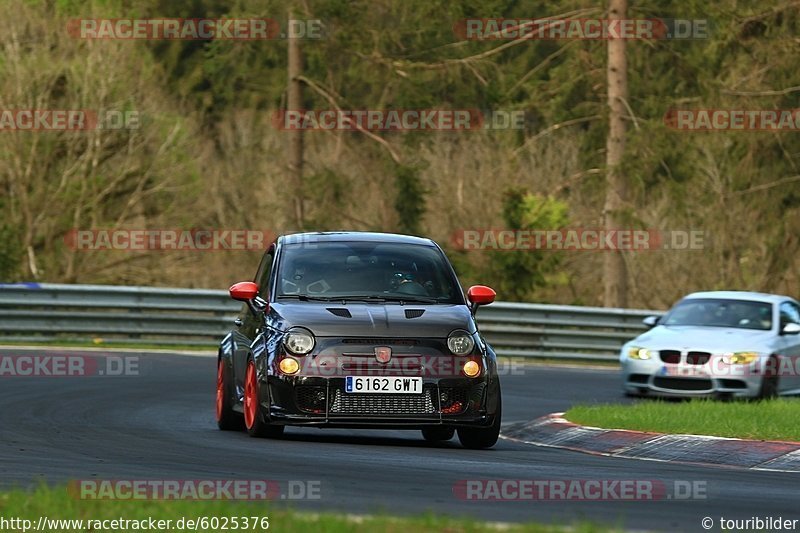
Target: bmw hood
332,319
704,339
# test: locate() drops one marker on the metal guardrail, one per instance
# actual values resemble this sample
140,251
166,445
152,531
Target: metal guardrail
147,315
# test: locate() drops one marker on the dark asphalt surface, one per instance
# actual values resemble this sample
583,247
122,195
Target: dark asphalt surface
160,425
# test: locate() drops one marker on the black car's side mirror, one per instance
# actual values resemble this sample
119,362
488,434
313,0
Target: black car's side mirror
247,292
480,295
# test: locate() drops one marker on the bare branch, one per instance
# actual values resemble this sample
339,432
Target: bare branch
404,64
779,92
555,127
368,133
770,185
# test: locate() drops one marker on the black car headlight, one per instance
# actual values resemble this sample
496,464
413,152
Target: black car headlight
298,341
460,342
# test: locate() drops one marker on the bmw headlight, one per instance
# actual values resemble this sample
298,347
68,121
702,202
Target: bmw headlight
460,342
740,358
298,341
637,352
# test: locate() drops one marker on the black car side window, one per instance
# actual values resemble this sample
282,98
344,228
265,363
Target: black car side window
264,271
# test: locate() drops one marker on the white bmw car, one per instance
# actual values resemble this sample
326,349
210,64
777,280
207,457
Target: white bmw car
717,344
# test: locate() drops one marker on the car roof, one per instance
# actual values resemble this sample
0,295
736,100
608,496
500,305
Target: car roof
739,295
350,236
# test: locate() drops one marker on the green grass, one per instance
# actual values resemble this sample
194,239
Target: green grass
56,503
762,420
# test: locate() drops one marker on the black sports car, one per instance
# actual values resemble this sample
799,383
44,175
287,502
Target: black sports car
359,330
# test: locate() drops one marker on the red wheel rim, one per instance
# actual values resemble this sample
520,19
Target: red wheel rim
220,389
250,396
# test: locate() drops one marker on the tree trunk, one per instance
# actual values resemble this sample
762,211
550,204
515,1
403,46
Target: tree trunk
615,280
294,102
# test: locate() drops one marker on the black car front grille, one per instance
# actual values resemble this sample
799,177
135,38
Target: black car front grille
453,400
311,399
683,384
383,404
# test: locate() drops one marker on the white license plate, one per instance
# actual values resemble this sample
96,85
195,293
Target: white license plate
376,385
685,371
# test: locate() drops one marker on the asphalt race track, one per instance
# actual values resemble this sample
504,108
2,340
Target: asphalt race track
160,425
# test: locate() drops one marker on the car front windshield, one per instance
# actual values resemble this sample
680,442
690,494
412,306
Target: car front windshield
369,271
742,314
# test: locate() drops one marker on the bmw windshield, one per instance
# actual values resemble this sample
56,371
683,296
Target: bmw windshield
368,271
742,314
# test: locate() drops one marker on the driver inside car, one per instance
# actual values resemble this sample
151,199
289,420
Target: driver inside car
407,283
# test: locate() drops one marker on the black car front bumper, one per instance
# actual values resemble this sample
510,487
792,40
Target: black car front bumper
322,401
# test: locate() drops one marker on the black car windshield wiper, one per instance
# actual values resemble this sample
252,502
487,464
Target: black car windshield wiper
390,298
362,298
307,298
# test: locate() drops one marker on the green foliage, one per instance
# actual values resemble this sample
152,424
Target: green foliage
409,202
11,254
326,195
520,272
405,55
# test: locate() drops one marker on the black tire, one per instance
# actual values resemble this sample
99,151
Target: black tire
485,437
227,418
438,433
770,382
254,419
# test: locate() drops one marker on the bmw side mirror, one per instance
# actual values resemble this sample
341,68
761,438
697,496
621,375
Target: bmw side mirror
650,321
791,329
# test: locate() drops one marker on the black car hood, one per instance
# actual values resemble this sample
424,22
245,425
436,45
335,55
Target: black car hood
330,319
